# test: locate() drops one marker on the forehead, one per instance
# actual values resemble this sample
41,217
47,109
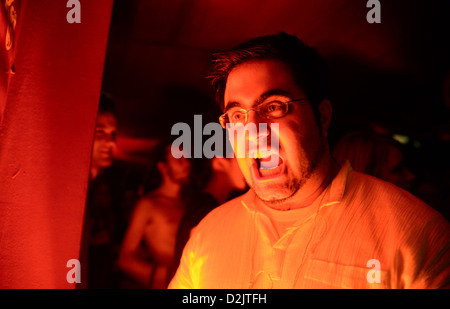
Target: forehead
106,120
250,80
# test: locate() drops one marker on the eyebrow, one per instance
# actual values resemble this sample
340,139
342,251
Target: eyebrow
230,105
271,93
261,98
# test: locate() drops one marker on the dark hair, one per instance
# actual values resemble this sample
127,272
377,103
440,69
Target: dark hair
309,70
153,178
106,105
161,150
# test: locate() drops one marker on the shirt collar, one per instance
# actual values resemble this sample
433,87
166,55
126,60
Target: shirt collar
338,185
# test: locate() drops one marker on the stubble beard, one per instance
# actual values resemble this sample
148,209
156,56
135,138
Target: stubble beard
294,184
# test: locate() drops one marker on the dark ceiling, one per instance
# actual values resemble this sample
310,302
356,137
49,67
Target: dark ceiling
390,73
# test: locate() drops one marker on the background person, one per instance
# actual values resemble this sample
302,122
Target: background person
147,252
97,255
376,155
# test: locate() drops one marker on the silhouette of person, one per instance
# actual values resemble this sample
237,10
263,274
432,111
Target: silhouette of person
97,249
147,252
376,155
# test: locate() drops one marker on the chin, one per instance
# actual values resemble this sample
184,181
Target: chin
106,163
276,195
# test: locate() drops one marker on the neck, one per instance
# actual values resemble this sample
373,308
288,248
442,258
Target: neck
170,188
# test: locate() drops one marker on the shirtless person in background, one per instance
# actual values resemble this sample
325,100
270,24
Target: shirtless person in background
147,252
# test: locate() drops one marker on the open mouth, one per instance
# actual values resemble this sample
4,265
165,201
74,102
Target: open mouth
268,167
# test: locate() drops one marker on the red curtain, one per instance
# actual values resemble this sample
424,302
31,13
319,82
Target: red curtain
50,85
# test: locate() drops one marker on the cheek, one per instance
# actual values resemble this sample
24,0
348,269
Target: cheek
299,142
180,168
290,138
238,142
96,147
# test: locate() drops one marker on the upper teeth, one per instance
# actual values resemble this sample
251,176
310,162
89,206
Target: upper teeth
259,155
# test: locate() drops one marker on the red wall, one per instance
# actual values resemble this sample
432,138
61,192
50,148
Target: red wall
49,110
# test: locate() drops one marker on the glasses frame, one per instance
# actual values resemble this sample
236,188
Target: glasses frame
222,117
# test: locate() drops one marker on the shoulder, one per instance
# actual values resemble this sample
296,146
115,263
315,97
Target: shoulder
381,192
382,201
411,232
146,204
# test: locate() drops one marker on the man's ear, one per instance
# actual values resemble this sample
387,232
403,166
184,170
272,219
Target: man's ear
325,112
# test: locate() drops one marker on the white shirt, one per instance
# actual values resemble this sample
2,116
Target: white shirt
357,219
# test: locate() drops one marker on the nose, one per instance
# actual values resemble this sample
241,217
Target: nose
253,116
258,130
110,140
260,136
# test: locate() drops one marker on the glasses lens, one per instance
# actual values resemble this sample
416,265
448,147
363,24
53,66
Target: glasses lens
274,109
223,120
237,116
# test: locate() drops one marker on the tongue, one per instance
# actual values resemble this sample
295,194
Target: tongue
270,162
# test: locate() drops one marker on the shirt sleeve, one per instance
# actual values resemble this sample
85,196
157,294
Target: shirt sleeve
185,275
423,262
182,278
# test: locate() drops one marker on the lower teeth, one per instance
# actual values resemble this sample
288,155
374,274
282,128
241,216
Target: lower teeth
269,172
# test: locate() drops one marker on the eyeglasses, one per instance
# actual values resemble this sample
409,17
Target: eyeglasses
268,110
